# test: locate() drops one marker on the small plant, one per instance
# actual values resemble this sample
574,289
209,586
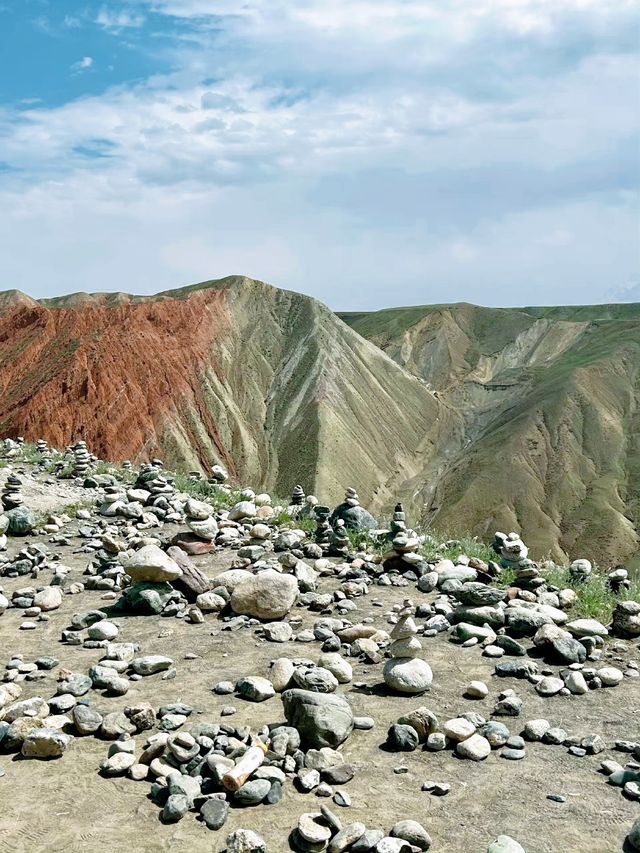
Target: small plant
448,548
30,454
67,473
72,509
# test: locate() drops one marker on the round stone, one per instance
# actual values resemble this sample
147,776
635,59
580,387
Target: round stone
477,690
476,747
407,675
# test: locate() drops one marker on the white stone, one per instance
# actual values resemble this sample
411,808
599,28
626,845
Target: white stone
475,747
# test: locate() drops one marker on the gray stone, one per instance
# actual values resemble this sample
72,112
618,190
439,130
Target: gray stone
254,688
323,719
266,595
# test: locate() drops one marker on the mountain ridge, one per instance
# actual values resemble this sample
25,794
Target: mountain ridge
478,418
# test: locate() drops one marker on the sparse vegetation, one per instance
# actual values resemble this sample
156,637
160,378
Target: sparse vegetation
72,509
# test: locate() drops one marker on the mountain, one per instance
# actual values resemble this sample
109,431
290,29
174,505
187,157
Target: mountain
550,399
479,419
268,382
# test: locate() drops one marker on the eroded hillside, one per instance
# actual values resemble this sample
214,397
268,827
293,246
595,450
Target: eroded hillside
268,382
550,400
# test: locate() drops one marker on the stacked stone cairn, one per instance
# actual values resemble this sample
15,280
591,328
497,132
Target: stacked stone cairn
340,542
404,543
43,448
19,519
323,532
11,495
510,548
405,672
352,513
297,501
580,570
81,459
219,475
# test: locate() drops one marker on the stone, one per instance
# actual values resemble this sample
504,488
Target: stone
412,832
505,844
252,792
150,664
408,675
86,720
313,828
150,563
192,582
477,690
21,520
210,602
549,686
117,764
43,743
575,682
475,747
49,598
346,837
254,688
281,674
245,841
610,676
422,720
103,630
402,738
147,599
535,730
587,628
458,729
267,595
634,835
278,632
315,678
323,719
337,665
496,733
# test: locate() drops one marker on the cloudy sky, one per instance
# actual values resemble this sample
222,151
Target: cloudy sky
367,152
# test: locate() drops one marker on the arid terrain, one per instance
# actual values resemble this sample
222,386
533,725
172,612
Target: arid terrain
66,804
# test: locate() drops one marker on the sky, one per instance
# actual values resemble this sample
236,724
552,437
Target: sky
370,153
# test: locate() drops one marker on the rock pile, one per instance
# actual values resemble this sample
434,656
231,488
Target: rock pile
405,672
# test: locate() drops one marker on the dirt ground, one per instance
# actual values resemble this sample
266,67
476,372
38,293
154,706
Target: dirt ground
65,805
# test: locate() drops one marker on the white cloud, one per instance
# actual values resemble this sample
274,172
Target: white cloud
82,65
340,145
117,21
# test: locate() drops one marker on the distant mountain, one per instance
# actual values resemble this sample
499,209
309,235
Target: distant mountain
479,419
550,399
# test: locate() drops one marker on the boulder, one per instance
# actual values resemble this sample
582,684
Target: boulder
151,563
322,719
45,743
267,595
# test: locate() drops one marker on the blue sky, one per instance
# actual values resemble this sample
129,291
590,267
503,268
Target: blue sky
367,152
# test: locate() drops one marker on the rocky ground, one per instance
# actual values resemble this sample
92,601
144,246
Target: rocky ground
522,732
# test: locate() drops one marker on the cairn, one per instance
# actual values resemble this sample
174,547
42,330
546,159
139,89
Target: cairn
510,548
324,532
404,543
405,672
339,544
296,504
81,459
352,513
43,448
580,570
11,495
219,475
